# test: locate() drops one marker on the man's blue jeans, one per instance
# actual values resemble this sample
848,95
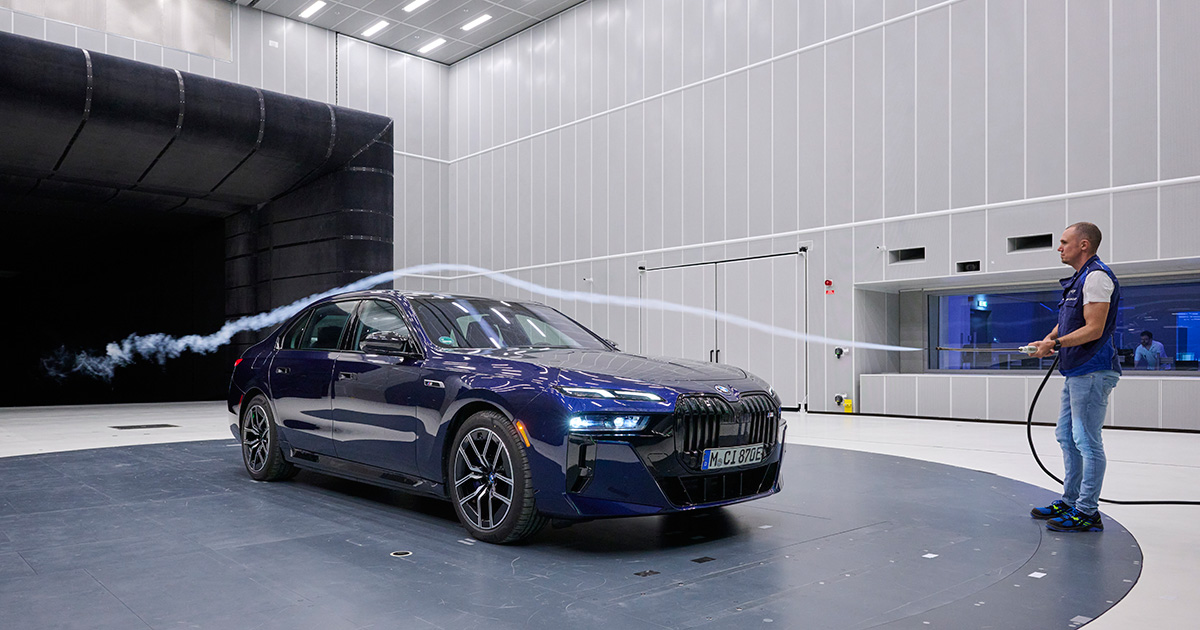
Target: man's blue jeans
1084,403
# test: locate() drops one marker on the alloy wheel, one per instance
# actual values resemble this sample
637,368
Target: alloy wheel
256,438
483,478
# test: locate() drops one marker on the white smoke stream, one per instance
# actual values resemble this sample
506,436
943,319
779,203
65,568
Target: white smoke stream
159,347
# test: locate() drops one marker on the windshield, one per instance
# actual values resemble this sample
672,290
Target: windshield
481,323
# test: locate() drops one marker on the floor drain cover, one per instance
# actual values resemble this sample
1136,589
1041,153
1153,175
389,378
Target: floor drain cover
646,573
127,427
703,560
401,554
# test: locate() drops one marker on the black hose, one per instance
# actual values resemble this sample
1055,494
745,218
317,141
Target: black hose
1032,449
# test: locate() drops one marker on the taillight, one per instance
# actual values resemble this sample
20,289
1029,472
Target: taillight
236,362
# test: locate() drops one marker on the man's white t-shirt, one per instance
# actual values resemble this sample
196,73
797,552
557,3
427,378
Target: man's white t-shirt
1097,287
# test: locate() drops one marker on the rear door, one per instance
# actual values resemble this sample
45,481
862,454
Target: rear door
375,396
301,377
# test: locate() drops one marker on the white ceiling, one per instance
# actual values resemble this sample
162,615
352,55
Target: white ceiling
409,31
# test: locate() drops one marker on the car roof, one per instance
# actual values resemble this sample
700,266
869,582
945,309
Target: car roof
417,294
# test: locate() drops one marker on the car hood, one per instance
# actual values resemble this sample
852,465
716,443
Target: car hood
658,370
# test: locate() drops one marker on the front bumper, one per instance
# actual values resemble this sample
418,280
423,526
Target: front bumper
660,471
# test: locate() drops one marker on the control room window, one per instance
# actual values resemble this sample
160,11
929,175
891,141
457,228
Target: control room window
985,329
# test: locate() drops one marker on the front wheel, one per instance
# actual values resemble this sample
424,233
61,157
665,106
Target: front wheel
490,483
260,444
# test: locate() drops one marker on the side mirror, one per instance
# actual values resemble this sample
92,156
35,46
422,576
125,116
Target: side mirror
388,342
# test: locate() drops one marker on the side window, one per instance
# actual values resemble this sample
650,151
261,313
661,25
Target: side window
291,339
325,326
374,316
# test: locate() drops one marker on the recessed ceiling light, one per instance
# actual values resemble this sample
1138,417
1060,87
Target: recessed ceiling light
378,26
414,5
431,45
476,22
313,8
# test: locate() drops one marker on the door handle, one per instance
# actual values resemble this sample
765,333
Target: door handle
283,370
718,355
346,376
710,356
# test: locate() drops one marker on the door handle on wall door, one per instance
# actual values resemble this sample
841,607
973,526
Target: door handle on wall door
710,356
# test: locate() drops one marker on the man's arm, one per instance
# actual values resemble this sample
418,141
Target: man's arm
1095,314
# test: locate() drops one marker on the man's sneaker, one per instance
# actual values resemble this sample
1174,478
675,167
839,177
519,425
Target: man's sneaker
1058,508
1076,521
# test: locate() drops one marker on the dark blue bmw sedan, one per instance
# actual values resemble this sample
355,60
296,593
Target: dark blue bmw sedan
512,411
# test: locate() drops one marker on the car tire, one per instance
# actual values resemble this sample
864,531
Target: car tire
491,487
260,444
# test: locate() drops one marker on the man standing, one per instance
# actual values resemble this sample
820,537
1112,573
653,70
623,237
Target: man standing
1087,316
1150,351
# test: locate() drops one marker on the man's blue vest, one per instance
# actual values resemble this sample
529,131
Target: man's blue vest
1096,355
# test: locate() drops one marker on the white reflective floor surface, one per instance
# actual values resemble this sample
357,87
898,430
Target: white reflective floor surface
1142,466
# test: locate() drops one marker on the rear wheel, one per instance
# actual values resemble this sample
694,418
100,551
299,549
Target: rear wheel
490,483
260,444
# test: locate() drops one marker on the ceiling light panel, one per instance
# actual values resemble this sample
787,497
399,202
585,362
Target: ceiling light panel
432,45
312,8
476,22
375,28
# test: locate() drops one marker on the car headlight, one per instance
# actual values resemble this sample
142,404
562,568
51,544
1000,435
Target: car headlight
588,422
611,394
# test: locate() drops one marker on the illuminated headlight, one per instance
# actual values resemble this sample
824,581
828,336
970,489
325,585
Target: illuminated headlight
597,422
610,394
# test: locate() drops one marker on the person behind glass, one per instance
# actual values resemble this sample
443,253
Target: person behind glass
1087,316
1150,351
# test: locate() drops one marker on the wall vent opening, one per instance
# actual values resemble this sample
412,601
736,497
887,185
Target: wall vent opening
1025,243
910,254
968,266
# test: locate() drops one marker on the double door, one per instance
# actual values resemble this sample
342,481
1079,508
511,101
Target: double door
765,289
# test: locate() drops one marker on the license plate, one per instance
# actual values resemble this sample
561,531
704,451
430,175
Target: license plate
733,456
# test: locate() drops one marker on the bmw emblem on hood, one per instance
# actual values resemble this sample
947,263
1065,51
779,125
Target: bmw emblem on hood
726,390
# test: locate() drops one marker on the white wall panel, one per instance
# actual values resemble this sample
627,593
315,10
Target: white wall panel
1088,135
870,255
1042,218
1134,93
29,25
902,394
1180,399
868,125
1135,403
839,127
811,28
759,147
931,233
1006,398
1180,56
933,395
1179,227
899,117
786,122
1093,209
6,20
968,240
932,151
737,159
274,52
1049,404
872,393
812,206
968,104
60,33
969,397
248,41
1005,101
1135,226
1045,90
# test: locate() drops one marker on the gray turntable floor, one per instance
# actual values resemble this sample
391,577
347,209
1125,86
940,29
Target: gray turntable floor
176,535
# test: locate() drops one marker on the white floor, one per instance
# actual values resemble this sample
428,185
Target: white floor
1141,466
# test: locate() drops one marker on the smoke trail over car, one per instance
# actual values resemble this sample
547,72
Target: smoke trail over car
159,347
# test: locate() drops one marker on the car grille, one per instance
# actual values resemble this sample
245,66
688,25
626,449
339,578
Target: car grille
713,488
703,422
